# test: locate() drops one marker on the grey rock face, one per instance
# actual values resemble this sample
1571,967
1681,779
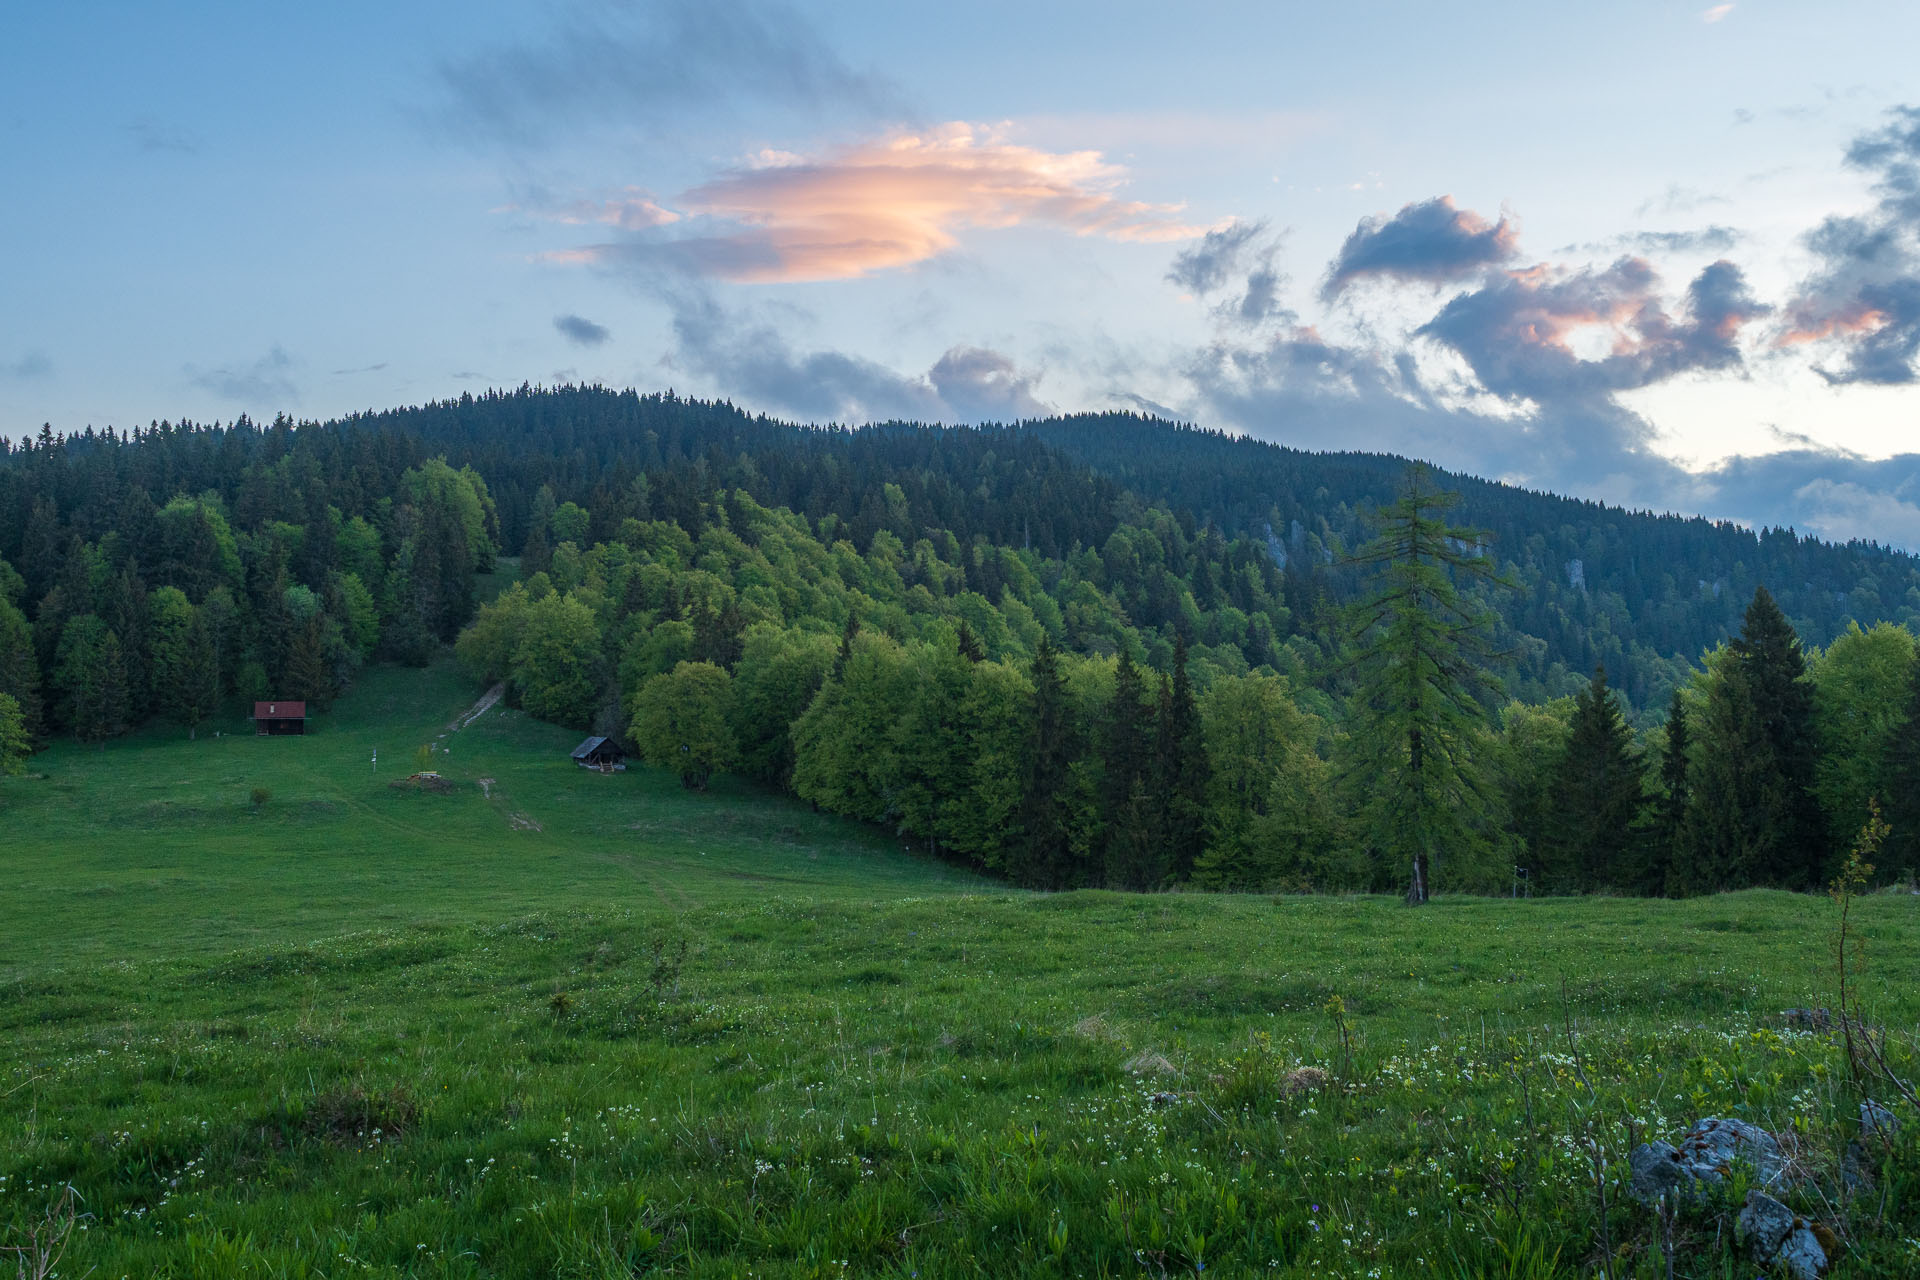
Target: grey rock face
1802,1255
1705,1155
1764,1225
1878,1121
1776,1236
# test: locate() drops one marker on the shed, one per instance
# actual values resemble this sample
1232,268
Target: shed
603,754
279,719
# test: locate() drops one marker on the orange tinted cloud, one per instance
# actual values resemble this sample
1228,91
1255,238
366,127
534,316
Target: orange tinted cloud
1855,317
888,204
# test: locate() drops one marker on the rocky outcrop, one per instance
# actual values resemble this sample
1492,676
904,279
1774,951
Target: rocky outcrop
1705,1155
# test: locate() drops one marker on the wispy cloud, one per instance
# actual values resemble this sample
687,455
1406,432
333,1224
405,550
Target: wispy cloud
886,204
581,331
31,364
266,383
645,68
1717,13
1243,261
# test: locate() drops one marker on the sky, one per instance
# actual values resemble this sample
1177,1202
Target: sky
1661,254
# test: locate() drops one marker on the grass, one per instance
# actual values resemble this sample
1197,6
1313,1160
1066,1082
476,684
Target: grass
366,1031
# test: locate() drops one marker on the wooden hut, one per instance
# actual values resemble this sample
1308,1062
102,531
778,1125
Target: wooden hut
603,754
279,719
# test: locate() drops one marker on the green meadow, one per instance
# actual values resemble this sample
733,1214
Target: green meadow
584,1025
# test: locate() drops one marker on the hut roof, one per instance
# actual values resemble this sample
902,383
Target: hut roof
279,711
587,748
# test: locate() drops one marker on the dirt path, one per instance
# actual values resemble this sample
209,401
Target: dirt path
479,708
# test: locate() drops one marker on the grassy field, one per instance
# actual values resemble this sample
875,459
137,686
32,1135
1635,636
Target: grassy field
595,1026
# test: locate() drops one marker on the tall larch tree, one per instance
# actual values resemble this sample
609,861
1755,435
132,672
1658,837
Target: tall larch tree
1419,648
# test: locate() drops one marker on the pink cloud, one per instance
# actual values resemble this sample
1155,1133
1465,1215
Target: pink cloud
885,204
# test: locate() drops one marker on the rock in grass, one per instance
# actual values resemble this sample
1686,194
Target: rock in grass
1705,1156
1778,1237
1801,1255
1878,1126
1764,1225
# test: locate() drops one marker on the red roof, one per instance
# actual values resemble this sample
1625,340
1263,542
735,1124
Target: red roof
279,711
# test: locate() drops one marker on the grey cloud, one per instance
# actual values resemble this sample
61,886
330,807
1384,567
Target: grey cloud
623,63
1212,262
1513,331
581,331
31,364
1244,255
755,364
365,368
981,385
265,383
1863,299
1431,241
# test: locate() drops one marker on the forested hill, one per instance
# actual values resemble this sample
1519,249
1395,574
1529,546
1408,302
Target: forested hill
1601,584
1644,594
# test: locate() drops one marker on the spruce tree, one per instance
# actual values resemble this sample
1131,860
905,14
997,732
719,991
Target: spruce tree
1670,810
1418,647
1597,796
1042,857
1792,850
1180,770
1135,843
1753,818
1901,798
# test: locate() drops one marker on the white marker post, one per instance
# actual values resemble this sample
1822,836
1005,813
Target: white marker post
376,759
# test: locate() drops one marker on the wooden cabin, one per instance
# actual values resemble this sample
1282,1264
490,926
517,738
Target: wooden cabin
603,754
279,719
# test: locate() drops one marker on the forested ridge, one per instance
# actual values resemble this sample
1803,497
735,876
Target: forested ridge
1094,650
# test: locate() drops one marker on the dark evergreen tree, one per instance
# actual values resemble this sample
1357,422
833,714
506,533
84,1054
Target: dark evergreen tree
1670,811
1597,797
1901,802
1135,855
969,644
1042,856
1794,851
1180,772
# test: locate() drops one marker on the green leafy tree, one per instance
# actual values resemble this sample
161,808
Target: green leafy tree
1531,744
1597,797
15,743
556,665
169,634
1859,701
19,665
1419,649
680,720
779,674
1270,816
843,742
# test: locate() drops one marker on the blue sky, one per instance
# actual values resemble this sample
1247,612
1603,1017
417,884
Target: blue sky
1662,254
